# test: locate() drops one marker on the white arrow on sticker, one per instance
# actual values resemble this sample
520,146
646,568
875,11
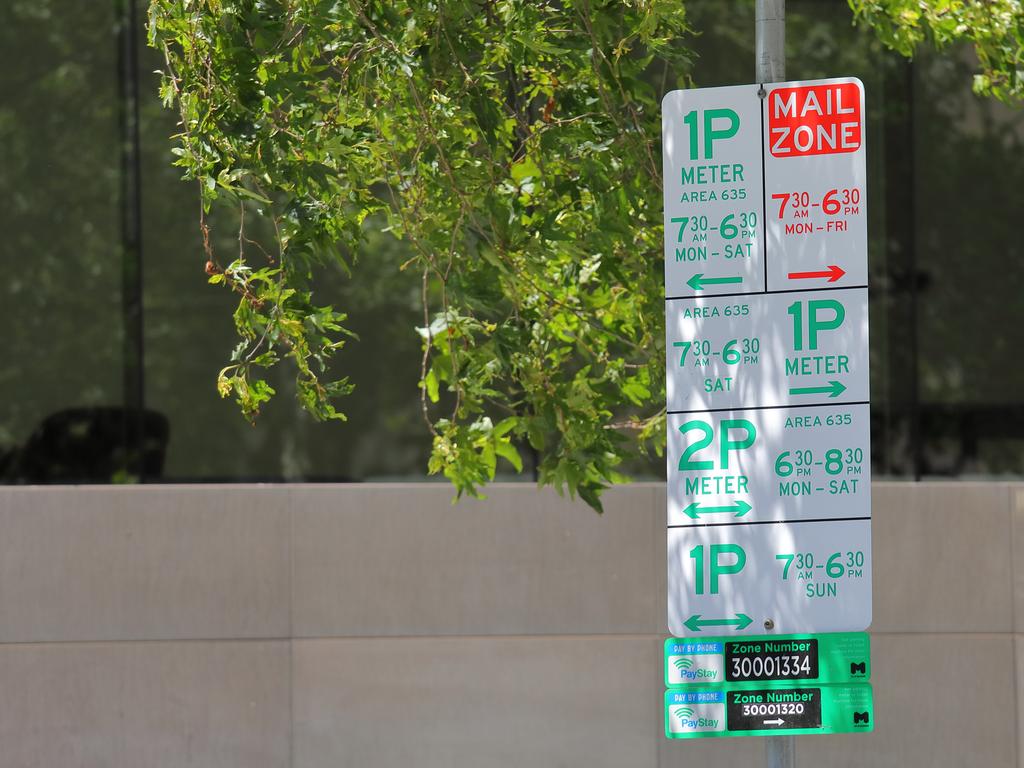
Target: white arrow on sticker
779,721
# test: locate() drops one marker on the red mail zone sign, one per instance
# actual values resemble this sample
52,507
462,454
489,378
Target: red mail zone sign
815,120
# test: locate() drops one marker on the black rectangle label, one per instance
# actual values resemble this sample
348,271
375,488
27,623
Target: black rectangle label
770,709
771,660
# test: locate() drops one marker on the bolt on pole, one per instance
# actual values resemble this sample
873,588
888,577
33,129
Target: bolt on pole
770,49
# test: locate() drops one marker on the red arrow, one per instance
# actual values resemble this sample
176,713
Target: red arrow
833,273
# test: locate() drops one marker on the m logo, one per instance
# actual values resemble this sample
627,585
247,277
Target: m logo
858,669
860,717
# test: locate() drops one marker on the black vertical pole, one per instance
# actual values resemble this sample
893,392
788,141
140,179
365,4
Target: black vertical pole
915,380
131,238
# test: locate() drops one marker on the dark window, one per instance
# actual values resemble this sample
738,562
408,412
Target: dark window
113,340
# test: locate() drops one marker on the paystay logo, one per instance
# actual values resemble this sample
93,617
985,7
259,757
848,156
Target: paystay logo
815,120
698,674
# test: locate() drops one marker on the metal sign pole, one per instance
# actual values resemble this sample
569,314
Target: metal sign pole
780,751
770,30
770,35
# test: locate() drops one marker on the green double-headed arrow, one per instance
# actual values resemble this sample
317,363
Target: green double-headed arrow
740,508
698,281
833,389
695,623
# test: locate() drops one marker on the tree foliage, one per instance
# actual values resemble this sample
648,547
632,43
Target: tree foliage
994,27
513,145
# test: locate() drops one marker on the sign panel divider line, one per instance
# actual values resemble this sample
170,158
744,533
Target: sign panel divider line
771,407
761,293
764,195
771,522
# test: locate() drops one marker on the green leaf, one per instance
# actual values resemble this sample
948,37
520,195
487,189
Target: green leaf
431,384
508,452
524,169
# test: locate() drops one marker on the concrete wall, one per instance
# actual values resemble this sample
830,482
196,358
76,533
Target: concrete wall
373,625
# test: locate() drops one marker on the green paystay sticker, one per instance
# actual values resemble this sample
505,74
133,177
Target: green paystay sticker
768,710
838,657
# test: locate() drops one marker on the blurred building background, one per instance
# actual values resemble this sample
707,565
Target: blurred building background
112,340
199,619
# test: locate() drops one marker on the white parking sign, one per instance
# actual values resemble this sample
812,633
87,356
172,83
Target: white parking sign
769,510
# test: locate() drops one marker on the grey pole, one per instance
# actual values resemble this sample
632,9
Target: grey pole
770,26
780,751
770,31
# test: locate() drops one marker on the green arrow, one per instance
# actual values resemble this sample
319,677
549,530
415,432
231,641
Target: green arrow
694,623
834,389
698,281
695,510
